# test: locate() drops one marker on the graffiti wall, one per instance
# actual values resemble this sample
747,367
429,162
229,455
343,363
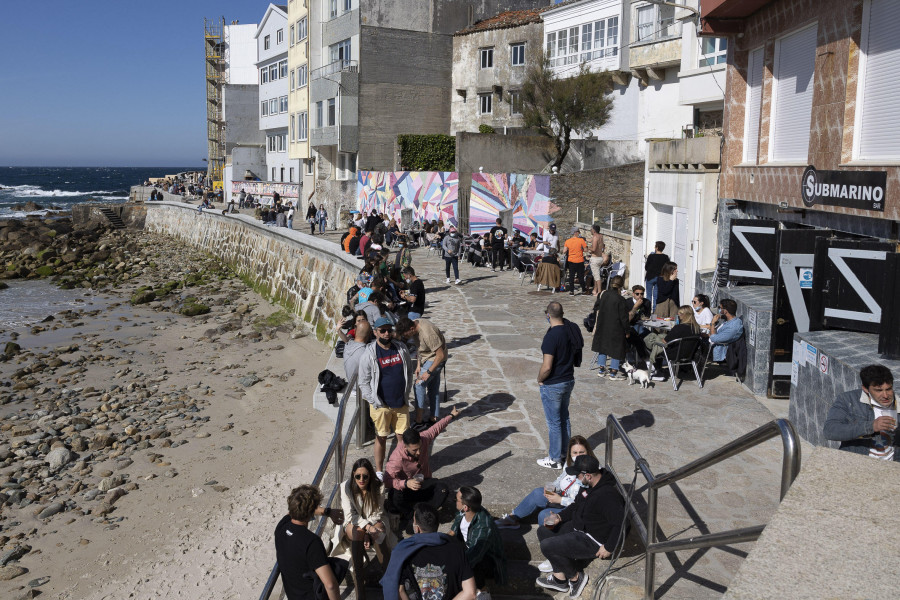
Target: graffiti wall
527,195
266,188
433,195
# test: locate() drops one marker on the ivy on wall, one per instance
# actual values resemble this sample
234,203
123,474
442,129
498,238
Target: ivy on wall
433,152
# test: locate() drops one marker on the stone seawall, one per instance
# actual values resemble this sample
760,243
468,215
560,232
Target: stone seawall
306,275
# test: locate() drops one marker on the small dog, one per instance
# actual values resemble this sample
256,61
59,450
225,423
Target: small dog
636,375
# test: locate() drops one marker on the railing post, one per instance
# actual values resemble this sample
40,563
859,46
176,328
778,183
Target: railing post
632,226
790,460
650,566
593,216
577,214
611,221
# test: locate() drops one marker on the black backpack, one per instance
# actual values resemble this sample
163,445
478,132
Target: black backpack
331,385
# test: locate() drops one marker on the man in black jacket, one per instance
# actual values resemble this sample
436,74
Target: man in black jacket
586,529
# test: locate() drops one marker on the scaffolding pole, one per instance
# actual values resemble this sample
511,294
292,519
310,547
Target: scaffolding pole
216,75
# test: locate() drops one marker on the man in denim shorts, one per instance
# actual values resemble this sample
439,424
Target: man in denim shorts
385,381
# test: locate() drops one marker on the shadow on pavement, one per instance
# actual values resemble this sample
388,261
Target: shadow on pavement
639,418
469,339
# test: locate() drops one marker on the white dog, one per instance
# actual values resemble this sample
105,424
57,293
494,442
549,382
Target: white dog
636,375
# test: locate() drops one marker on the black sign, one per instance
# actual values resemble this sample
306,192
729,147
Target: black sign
864,190
752,251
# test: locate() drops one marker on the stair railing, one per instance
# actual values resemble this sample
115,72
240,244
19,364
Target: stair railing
336,456
790,468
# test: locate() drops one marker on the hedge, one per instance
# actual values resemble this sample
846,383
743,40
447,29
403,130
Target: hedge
434,152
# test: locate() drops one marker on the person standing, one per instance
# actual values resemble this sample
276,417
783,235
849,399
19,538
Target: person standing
668,289
864,420
550,240
276,200
611,329
322,218
597,247
652,268
431,354
498,238
452,247
290,216
385,381
300,552
561,349
575,247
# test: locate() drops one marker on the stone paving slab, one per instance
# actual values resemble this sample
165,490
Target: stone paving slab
494,326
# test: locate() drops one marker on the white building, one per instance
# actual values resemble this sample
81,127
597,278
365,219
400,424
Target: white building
272,66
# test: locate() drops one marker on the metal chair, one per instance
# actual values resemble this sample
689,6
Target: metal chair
434,247
682,352
527,263
617,268
706,361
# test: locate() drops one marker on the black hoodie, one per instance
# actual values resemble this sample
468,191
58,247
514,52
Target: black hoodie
598,511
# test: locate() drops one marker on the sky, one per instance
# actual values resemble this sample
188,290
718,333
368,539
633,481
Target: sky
107,83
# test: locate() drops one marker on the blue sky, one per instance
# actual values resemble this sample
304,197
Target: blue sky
107,83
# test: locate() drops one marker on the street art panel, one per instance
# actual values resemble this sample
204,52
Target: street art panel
432,195
527,195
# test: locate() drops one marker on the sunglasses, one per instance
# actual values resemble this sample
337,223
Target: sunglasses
695,302
361,476
385,329
638,293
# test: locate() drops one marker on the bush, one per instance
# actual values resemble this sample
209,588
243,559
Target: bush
435,152
483,128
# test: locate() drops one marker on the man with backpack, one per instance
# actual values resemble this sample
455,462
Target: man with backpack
451,246
561,351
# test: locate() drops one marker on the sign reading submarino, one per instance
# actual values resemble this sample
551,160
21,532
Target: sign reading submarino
864,190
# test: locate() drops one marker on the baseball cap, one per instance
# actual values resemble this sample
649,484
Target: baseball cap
575,230
584,464
364,294
383,322
552,226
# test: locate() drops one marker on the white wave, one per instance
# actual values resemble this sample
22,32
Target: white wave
33,191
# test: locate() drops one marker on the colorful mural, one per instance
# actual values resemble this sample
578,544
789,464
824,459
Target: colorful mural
527,195
433,195
266,188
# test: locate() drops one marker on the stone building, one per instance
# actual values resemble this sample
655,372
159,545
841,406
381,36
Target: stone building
810,166
490,61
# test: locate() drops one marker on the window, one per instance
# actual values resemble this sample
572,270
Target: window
754,100
341,52
273,106
877,131
273,72
310,165
284,104
332,112
656,22
302,125
264,75
484,104
795,60
291,171
600,39
282,69
332,8
713,51
266,43
487,58
292,80
282,145
517,54
346,165
301,75
279,36
273,174
301,29
292,129
292,35
319,114
562,46
264,108
515,103
270,144
347,5
645,23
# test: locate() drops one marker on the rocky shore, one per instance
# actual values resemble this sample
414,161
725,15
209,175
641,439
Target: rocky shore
163,397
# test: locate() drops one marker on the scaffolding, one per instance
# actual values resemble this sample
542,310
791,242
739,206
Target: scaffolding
216,78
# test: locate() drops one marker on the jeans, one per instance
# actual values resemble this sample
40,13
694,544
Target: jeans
651,292
451,260
290,223
427,392
321,225
555,398
613,362
532,502
565,546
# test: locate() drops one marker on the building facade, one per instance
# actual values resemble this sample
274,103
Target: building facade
298,94
272,66
490,61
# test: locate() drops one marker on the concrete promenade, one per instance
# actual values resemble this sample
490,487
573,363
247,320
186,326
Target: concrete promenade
493,326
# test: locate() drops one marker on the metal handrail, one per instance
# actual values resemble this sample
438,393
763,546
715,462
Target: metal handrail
337,449
790,468
341,64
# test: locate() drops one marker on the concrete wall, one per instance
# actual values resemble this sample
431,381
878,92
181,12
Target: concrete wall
240,109
133,215
240,54
754,304
616,190
450,16
498,153
619,246
309,276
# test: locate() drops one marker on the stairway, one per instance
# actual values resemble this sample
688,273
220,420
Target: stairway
114,219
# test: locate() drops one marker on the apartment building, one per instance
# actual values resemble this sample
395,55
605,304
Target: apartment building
298,94
272,66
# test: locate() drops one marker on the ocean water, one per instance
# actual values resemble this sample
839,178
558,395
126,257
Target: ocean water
55,188
26,303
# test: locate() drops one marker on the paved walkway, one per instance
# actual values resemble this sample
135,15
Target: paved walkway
494,326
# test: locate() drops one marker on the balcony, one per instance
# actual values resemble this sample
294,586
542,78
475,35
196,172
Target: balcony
658,44
702,154
338,66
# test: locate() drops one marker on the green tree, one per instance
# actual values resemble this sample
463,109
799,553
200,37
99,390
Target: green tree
558,106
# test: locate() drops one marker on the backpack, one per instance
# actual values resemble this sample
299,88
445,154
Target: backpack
452,245
590,321
331,385
575,339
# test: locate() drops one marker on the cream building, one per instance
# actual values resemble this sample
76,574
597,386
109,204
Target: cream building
298,96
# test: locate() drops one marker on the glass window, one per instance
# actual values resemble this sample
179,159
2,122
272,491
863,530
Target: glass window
284,104
267,42
282,69
645,23
587,36
562,42
346,165
264,108
293,133
612,35
713,51
301,29
302,75
485,104
302,125
551,45
332,112
264,75
332,8
273,72
279,36
573,42
310,165
518,54
515,103
292,35
292,80
273,106
487,58
347,5
319,114
341,52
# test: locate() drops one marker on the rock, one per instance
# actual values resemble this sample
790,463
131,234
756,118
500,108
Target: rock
11,572
14,553
242,309
142,296
108,483
58,458
220,488
249,380
55,508
44,271
38,582
11,349
170,473
29,594
102,440
192,308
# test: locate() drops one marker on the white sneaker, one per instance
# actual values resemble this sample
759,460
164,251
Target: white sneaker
448,280
545,567
483,595
458,281
379,475
507,522
549,463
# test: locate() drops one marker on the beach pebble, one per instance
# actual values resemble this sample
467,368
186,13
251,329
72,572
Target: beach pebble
11,572
55,508
38,582
58,458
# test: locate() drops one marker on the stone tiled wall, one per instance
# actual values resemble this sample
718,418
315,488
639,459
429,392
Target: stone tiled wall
618,190
758,300
833,111
814,392
309,276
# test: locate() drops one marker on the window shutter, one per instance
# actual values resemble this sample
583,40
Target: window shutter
880,127
754,99
796,61
664,225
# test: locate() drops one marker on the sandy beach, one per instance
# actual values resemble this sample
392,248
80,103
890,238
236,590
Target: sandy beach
145,453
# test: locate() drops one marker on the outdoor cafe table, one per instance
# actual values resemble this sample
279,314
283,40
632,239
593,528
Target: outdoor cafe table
658,325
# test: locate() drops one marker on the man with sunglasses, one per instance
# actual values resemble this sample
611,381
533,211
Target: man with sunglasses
385,381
